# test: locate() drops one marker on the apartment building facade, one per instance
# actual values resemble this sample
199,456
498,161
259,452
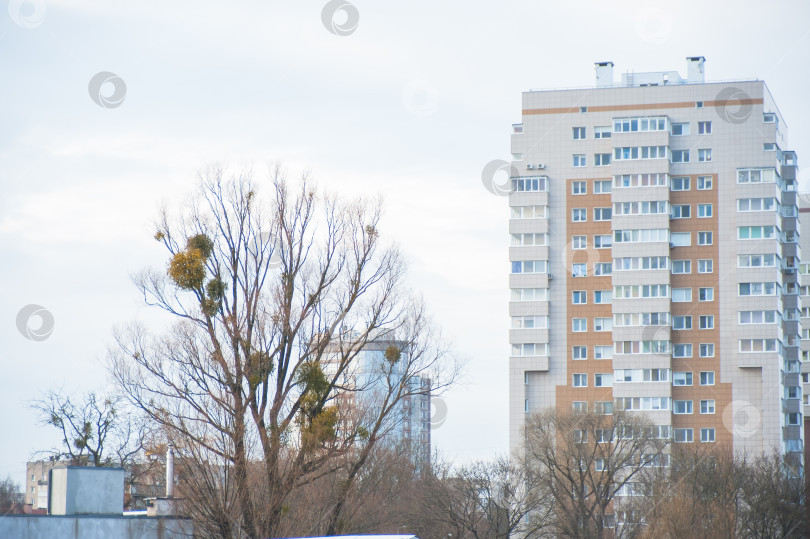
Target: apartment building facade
654,259
36,482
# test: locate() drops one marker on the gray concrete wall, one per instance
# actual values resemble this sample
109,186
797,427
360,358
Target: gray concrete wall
92,527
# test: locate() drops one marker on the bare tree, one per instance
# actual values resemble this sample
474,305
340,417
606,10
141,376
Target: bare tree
587,460
95,429
10,494
774,497
263,292
494,499
709,493
697,495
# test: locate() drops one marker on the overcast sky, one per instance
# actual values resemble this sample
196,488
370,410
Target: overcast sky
410,103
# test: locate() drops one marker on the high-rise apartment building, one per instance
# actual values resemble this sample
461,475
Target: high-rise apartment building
372,381
655,258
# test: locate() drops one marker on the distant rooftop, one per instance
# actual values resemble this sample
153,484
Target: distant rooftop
604,77
694,65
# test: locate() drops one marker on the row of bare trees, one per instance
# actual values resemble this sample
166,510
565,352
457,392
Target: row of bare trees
582,476
617,476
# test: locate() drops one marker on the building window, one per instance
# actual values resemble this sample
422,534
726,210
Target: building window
529,212
704,183
602,214
682,435
704,128
579,270
681,323
680,129
640,123
705,266
758,289
704,155
681,211
529,239
602,324
707,378
706,350
698,104
707,406
757,261
642,235
681,266
681,407
681,239
641,180
602,132
602,296
769,118
602,269
602,241
580,380
530,322
767,232
756,175
529,294
641,208
579,242
580,352
601,187
529,349
681,295
579,297
682,378
757,317
579,188
680,184
579,215
706,293
603,352
603,380
626,153
706,435
704,238
704,210
579,325
579,159
641,291
681,350
529,184
757,345
601,159
680,156
579,407
642,403
579,133
530,266
793,419
641,263
706,321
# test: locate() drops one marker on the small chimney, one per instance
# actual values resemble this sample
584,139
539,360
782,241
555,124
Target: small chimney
169,472
695,68
604,73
